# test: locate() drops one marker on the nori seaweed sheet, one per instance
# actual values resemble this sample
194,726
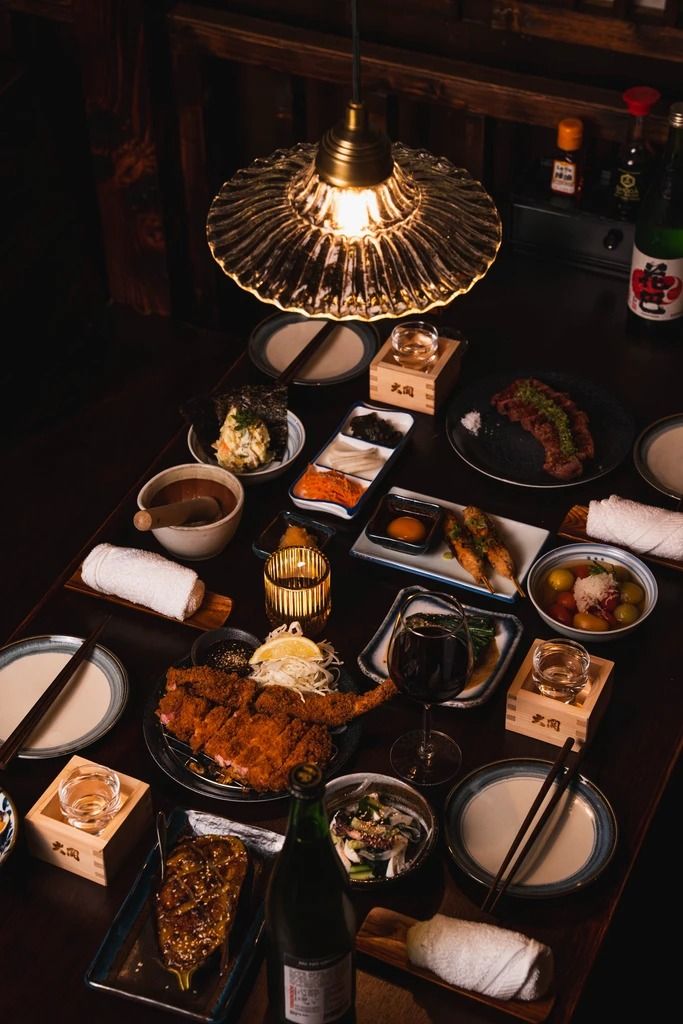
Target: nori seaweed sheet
268,402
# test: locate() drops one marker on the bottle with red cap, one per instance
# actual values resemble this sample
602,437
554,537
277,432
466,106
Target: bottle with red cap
634,163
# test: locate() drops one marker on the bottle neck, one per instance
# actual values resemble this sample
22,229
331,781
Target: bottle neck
637,128
307,822
671,180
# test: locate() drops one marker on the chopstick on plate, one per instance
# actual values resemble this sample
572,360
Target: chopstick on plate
500,884
307,352
20,734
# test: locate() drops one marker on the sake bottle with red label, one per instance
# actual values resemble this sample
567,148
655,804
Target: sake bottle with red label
655,298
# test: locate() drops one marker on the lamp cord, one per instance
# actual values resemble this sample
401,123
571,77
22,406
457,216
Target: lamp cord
355,37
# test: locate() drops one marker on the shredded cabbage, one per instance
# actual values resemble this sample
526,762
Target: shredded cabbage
305,675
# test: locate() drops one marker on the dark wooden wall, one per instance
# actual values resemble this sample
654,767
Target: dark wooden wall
179,95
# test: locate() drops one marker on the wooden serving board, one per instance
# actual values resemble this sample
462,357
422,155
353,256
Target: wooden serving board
212,613
573,526
383,935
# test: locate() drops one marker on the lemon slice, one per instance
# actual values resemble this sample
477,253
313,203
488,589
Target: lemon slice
287,647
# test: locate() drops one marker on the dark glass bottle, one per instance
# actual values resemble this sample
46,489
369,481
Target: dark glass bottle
310,923
634,164
567,174
655,298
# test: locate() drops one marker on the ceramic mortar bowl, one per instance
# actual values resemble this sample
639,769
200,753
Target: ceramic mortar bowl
195,542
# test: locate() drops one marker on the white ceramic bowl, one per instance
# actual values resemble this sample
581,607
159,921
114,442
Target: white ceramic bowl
348,788
296,436
195,543
581,553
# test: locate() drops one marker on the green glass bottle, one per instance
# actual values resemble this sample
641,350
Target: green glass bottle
310,923
655,299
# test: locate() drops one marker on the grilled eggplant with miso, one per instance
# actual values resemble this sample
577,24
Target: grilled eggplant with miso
197,901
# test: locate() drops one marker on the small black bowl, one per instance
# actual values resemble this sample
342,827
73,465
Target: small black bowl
393,505
269,538
237,639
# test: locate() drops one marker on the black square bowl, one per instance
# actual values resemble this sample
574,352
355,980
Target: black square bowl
394,505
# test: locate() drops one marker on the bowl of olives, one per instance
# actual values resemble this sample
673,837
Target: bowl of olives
592,592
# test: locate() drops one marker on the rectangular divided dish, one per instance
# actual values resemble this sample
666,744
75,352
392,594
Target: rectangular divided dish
343,453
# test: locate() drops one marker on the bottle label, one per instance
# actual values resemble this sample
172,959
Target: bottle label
656,287
563,177
317,991
627,187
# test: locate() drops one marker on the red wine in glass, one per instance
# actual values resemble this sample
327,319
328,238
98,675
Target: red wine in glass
430,660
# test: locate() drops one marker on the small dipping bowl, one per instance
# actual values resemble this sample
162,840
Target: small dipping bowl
226,649
394,506
89,797
195,480
9,825
415,344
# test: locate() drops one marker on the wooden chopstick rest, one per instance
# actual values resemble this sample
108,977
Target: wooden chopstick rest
178,513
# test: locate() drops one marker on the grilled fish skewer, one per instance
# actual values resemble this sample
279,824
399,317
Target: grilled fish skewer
489,543
464,550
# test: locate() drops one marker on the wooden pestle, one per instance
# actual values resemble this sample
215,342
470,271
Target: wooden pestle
178,513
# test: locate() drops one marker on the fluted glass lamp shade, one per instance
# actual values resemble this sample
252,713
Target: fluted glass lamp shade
413,242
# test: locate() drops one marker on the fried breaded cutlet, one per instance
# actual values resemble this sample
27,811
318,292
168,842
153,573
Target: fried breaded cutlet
256,737
326,708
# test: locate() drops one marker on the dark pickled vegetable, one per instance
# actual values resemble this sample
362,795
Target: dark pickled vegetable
375,429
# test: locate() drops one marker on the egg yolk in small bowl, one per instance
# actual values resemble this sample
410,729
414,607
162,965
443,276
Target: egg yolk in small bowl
407,528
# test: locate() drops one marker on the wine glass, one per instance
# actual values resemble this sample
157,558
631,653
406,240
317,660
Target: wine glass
430,660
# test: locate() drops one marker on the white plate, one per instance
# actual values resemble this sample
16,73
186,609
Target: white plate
483,814
372,660
278,339
296,437
91,703
524,542
658,455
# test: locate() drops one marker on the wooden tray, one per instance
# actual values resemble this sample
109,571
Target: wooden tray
383,935
573,526
213,612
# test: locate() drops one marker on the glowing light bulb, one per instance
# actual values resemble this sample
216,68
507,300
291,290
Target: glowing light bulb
354,211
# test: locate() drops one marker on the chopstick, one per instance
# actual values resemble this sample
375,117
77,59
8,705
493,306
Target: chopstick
307,352
497,888
19,735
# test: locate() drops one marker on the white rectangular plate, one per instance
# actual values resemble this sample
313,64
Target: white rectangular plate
523,541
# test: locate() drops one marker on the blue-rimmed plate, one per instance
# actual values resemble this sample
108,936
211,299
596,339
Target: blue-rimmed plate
278,339
296,437
128,962
484,811
9,825
90,705
657,455
488,671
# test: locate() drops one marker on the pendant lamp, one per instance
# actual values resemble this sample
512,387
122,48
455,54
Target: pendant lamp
354,228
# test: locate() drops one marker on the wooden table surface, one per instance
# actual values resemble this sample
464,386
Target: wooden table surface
58,920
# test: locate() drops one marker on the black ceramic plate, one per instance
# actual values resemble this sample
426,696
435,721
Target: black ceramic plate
128,962
505,451
172,756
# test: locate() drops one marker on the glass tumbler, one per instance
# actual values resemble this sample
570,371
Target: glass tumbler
297,588
415,344
560,669
89,797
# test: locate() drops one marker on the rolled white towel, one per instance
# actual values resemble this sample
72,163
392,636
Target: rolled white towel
481,957
642,528
144,577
